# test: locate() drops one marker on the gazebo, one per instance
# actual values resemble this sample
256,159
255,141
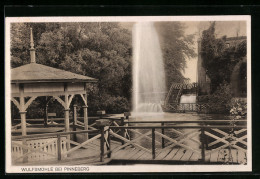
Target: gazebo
34,80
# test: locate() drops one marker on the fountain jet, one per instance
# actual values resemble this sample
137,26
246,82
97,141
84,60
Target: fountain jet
148,69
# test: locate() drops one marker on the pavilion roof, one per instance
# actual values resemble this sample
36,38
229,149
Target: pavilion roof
37,73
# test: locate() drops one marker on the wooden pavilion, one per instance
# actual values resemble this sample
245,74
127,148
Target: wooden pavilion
34,80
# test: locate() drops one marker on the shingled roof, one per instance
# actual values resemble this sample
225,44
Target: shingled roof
34,72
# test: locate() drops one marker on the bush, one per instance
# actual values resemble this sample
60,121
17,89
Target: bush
219,101
116,104
239,108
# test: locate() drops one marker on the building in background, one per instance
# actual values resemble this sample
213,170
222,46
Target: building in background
238,77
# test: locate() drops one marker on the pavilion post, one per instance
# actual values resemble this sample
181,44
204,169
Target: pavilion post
75,121
67,114
23,120
85,108
67,126
46,115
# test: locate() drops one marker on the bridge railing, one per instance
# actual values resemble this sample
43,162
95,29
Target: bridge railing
211,136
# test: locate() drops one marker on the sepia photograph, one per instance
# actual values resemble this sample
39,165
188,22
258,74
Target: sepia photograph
128,94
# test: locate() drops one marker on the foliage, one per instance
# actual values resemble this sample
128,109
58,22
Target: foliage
218,59
239,108
219,101
101,50
177,48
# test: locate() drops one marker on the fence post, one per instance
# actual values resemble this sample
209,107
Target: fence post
46,115
162,124
109,144
206,139
127,114
102,142
122,130
101,123
59,146
203,143
74,121
153,143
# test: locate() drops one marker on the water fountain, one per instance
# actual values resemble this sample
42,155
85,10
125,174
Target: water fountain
148,69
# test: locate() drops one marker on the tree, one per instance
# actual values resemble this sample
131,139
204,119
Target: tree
218,59
177,48
100,50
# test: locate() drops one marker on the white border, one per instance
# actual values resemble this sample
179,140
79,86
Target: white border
129,168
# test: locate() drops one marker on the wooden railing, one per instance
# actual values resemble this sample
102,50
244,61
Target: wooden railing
186,107
47,146
210,137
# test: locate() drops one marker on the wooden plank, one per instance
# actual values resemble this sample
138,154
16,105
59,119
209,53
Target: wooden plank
145,156
15,88
123,151
118,154
186,156
223,155
163,154
142,156
75,86
179,154
83,152
171,154
129,152
213,156
51,114
207,157
241,157
194,157
137,155
121,154
234,155
43,87
133,153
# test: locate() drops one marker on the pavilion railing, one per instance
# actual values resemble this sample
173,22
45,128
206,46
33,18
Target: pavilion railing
48,146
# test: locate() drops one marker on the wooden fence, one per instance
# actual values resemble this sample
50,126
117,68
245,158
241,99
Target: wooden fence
210,136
